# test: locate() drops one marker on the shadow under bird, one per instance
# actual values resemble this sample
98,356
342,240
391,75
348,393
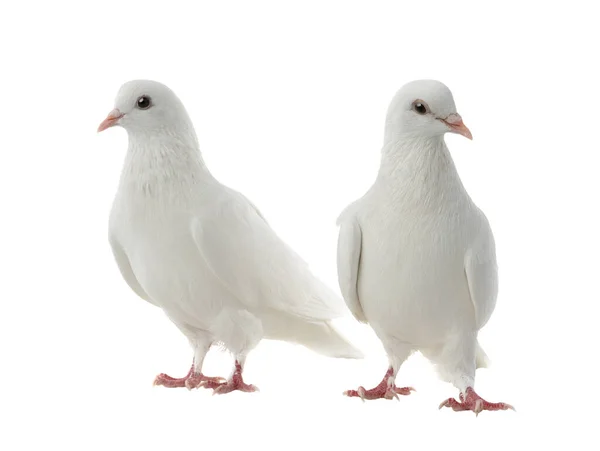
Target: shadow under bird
202,252
416,256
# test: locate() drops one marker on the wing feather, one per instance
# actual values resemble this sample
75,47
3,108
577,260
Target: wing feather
348,264
481,271
256,266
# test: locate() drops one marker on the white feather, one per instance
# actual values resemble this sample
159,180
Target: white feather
200,250
348,262
416,257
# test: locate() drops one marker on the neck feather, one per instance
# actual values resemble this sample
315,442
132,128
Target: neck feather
421,170
162,163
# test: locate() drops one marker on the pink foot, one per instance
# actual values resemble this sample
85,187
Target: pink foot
382,391
472,401
190,380
235,383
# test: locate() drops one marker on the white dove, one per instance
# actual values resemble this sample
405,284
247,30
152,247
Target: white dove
202,252
416,256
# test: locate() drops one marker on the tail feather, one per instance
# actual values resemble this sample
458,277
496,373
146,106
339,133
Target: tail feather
321,337
481,358
325,339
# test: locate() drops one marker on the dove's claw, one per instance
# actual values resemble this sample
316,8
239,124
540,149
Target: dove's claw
230,386
171,382
198,380
472,401
235,383
382,391
379,392
190,381
213,384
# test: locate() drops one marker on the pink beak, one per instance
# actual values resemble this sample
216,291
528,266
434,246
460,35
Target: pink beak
111,120
454,121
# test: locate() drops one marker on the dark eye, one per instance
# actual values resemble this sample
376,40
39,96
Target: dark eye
143,103
420,107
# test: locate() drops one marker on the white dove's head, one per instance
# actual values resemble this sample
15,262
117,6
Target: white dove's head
423,108
146,106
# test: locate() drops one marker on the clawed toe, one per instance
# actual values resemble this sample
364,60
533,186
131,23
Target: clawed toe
190,381
199,380
230,386
475,403
168,381
235,383
379,392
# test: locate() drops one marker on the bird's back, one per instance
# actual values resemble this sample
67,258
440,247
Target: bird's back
259,259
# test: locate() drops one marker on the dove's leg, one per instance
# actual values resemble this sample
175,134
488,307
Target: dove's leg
235,381
456,364
194,378
240,332
397,352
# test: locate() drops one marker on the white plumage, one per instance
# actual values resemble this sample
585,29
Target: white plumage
202,252
416,256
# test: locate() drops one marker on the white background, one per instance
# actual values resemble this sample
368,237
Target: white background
289,100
